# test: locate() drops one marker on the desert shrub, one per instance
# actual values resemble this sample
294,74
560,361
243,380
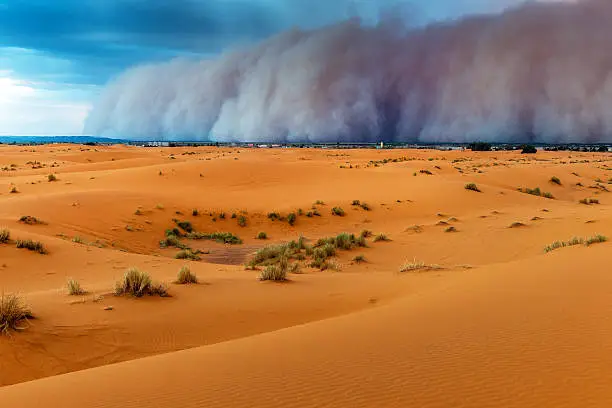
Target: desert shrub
548,195
596,239
274,216
517,225
185,276
589,201
365,234
262,235
291,218
13,312
319,202
451,229
5,236
220,237
359,259
533,191
221,215
414,265
427,172
172,241
356,203
51,177
365,207
187,254
472,187
74,288
77,239
195,212
27,219
13,190
555,180
310,214
338,211
31,246
277,272
242,221
381,238
138,283
173,232
185,226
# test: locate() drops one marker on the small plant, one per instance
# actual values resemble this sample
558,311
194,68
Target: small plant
187,254
589,201
356,203
291,218
51,178
427,172
13,312
138,211
451,229
185,276
138,283
365,207
276,273
555,180
74,288
472,187
220,237
221,215
517,225
365,234
185,226
414,265
31,246
381,238
242,221
262,235
319,202
596,239
195,212
359,259
548,195
338,211
5,236
274,216
77,239
13,190
29,220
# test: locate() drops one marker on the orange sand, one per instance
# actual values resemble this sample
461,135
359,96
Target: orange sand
501,325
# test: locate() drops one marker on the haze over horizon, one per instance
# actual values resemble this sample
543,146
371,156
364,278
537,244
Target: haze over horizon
316,76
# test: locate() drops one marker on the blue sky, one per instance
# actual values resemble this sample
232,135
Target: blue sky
56,55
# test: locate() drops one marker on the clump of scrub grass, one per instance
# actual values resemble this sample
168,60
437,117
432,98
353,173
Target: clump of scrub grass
138,283
185,276
338,211
185,226
29,220
291,218
517,225
30,245
472,187
595,239
13,312
262,235
451,229
359,259
414,266
74,288
187,254
277,272
220,237
589,201
381,238
5,236
555,180
242,221
51,178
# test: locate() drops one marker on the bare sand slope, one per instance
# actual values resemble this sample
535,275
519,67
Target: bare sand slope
495,322
527,334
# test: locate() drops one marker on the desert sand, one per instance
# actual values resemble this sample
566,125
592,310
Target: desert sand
488,319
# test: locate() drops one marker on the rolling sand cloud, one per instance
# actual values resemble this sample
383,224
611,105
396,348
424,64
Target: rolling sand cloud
538,72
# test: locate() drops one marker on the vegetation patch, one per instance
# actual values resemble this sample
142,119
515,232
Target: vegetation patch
262,235
417,266
381,238
186,277
536,192
138,283
338,211
30,245
29,220
220,237
472,187
188,254
13,313
5,236
74,288
555,180
589,201
575,241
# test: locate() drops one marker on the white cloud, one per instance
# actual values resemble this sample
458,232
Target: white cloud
29,109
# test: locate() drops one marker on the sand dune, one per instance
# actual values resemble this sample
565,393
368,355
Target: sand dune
497,323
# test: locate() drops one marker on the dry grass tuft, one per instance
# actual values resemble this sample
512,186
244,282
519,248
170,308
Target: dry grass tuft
138,283
74,288
185,276
13,312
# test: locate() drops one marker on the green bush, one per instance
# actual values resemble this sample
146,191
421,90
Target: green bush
74,288
242,221
472,187
262,235
187,254
338,211
555,180
5,236
51,177
185,226
291,218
